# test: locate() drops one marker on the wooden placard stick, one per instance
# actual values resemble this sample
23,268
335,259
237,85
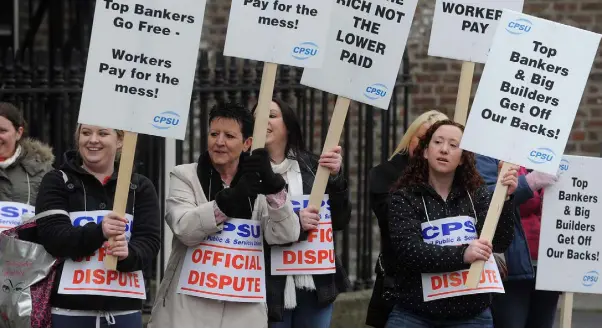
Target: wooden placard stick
464,88
566,310
124,176
332,139
262,114
488,231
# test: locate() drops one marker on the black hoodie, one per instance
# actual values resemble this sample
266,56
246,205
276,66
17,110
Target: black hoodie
61,239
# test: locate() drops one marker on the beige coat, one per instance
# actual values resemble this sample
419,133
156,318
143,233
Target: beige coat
191,218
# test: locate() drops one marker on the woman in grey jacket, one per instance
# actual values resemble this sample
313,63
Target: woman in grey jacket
23,163
203,200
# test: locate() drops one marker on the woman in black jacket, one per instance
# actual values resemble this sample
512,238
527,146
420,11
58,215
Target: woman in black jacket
300,301
76,223
435,219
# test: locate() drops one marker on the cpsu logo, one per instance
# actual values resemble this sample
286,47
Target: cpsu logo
541,155
13,212
166,120
243,230
305,50
564,165
83,220
590,278
376,91
297,206
519,26
447,229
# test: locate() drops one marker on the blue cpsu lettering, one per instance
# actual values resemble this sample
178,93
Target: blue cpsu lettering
541,155
376,91
12,212
447,229
166,120
83,220
564,165
590,278
243,230
297,206
305,50
519,26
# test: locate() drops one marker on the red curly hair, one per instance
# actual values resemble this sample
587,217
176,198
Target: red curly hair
417,173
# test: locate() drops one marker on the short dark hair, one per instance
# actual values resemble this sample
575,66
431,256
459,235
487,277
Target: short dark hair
12,114
294,136
236,112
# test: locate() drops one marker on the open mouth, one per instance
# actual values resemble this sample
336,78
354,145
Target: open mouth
94,149
442,160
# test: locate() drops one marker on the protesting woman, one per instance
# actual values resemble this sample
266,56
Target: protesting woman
74,204
23,163
381,180
521,305
302,301
224,183
441,189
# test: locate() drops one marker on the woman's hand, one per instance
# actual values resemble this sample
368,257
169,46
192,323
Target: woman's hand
510,179
479,249
119,247
332,160
113,225
310,217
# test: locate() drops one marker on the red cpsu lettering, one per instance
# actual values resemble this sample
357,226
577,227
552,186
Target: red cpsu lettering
321,235
213,280
100,276
309,257
457,279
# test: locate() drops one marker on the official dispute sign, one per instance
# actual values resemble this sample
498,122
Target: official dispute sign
12,214
288,32
464,29
228,265
316,255
530,91
141,65
88,275
366,41
570,239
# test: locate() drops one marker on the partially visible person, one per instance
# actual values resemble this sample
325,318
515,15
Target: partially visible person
522,306
224,183
75,224
23,163
441,185
381,180
304,301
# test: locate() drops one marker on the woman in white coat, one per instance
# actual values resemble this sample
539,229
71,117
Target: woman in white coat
223,184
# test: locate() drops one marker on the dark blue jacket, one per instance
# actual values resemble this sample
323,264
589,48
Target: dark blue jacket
518,257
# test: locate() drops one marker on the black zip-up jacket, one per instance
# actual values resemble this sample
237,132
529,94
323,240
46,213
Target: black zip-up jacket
328,286
61,239
414,256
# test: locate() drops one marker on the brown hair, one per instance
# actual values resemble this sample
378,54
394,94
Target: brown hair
119,133
12,114
417,172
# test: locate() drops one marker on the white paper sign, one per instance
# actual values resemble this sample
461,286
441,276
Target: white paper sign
288,32
88,275
228,265
13,213
453,231
530,91
463,29
315,255
571,229
366,41
141,65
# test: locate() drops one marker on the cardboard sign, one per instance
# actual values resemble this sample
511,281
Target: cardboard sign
366,41
141,65
88,276
315,255
463,30
530,90
288,32
228,265
454,231
13,213
570,238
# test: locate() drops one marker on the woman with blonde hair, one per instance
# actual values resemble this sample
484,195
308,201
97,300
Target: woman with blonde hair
381,179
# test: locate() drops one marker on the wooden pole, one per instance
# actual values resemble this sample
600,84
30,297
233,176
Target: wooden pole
124,177
332,139
566,310
464,88
262,113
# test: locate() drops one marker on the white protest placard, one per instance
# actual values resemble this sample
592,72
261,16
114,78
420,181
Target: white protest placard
315,255
453,231
288,32
366,41
228,265
12,214
529,92
141,65
464,29
571,237
88,276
